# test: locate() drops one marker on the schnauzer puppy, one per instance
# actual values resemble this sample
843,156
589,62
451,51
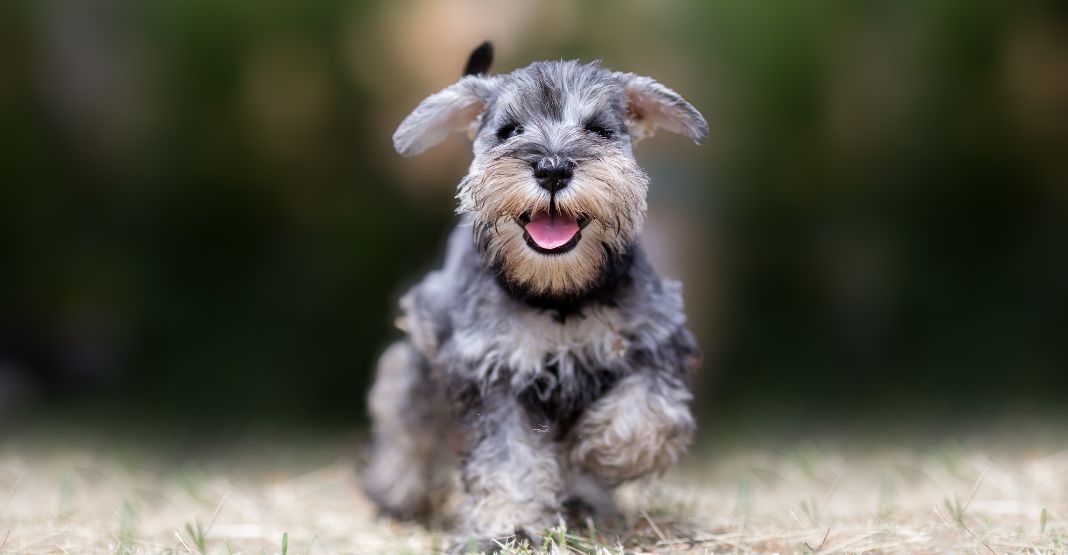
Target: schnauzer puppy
546,353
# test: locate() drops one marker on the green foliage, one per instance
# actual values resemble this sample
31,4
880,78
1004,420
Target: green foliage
216,218
197,534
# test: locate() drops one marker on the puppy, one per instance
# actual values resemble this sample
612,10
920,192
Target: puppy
546,347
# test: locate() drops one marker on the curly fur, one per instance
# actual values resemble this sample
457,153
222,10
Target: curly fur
557,376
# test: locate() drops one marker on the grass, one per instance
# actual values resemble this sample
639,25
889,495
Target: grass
973,498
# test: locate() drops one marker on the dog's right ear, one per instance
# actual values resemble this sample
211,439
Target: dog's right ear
455,108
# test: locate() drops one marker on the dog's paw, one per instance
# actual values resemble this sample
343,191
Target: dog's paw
620,458
400,509
632,433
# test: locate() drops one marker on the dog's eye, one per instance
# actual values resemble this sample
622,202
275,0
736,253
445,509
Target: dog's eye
598,129
508,131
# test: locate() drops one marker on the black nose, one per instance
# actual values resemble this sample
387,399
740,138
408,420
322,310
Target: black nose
553,173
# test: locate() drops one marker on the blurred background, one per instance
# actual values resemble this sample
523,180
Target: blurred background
203,224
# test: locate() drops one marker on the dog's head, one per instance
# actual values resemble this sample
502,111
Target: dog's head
556,194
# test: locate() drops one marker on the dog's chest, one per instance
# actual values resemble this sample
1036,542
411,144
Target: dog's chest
533,345
554,368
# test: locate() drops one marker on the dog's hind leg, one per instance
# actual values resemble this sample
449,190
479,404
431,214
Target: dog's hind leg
408,472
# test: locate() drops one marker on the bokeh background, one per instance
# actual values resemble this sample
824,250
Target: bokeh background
203,224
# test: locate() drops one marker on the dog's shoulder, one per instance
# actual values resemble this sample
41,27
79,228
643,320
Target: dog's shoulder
429,307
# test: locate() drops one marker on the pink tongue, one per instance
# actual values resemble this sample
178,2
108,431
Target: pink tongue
551,232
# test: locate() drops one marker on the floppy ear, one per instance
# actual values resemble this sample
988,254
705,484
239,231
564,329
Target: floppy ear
653,106
452,109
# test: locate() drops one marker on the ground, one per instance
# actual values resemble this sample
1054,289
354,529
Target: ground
304,497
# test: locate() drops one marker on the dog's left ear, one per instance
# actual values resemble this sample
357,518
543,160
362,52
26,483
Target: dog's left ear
652,106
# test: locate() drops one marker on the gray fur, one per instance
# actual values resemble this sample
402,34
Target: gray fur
559,376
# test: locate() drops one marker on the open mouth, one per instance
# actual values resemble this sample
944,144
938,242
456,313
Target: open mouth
552,232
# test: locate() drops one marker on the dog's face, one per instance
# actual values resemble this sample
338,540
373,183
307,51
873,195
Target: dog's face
556,194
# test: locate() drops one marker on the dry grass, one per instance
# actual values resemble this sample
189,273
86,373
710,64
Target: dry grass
949,498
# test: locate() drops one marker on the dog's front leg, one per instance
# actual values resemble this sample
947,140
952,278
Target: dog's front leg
511,475
641,426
